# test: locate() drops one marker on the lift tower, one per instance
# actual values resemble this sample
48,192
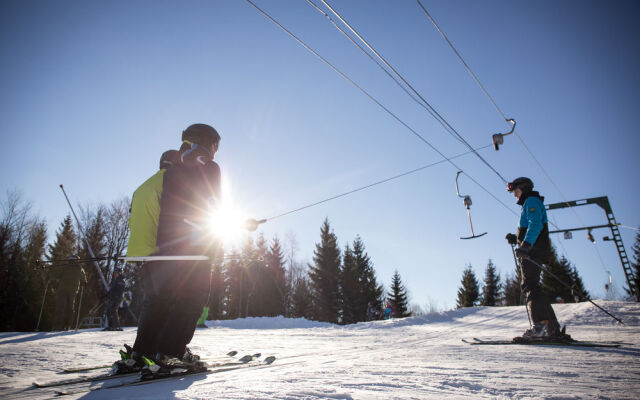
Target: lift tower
603,202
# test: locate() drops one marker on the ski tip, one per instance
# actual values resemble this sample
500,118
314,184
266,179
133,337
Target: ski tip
269,359
246,358
232,353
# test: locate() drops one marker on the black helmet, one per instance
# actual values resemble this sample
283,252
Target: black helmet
201,134
521,183
169,158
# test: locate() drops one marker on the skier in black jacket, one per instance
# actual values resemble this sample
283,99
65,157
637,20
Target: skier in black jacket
166,213
114,298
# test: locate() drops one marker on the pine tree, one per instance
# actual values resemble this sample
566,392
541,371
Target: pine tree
512,290
578,285
216,293
325,276
397,297
64,246
95,236
372,293
491,291
301,299
468,294
274,280
234,282
255,264
350,286
635,269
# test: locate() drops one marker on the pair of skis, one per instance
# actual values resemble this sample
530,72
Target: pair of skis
212,367
515,341
104,366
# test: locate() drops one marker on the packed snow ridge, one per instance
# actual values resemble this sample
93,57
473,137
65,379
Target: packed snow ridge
413,358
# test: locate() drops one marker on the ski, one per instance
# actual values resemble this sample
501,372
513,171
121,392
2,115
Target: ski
137,382
576,343
108,375
104,366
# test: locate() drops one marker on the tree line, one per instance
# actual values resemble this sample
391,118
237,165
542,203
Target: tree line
262,278
495,292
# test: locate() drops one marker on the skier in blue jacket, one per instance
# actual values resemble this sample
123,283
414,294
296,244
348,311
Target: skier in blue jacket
533,244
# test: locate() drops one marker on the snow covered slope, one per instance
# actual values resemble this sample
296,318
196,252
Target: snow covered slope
419,357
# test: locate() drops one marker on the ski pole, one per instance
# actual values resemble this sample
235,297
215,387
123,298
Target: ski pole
571,288
44,296
79,306
515,259
86,241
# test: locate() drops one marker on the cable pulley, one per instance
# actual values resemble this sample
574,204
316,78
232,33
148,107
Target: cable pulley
466,200
498,138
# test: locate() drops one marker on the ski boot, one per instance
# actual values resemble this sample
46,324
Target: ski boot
129,362
189,356
163,365
544,331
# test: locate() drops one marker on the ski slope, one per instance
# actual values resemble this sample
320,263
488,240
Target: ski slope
411,358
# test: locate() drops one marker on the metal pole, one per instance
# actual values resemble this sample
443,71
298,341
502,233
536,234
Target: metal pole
104,282
470,223
44,296
80,306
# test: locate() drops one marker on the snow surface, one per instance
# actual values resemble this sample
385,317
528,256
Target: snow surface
410,358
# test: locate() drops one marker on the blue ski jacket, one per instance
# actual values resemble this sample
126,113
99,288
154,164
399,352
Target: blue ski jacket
533,217
533,227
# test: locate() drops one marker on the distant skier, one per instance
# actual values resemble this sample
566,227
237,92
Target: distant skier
114,298
534,243
388,311
69,278
164,212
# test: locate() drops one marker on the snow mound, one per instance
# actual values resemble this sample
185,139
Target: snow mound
573,314
278,322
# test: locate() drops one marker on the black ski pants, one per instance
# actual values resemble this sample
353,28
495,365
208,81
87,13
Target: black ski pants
539,306
112,315
174,294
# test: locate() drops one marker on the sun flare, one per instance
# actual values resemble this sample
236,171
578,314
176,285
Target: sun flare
227,224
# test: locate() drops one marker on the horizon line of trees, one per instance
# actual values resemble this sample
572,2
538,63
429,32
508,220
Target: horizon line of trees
263,278
494,292
260,280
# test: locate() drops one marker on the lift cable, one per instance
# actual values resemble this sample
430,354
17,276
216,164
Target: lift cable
544,171
373,184
389,74
377,102
435,113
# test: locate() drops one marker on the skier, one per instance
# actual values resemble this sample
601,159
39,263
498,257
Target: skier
165,210
533,243
114,298
69,278
388,311
169,158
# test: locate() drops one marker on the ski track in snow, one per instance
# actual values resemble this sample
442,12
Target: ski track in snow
410,358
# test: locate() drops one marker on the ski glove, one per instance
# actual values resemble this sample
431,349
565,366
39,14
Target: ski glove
523,250
511,238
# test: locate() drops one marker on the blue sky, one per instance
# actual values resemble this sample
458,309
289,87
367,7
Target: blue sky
93,93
